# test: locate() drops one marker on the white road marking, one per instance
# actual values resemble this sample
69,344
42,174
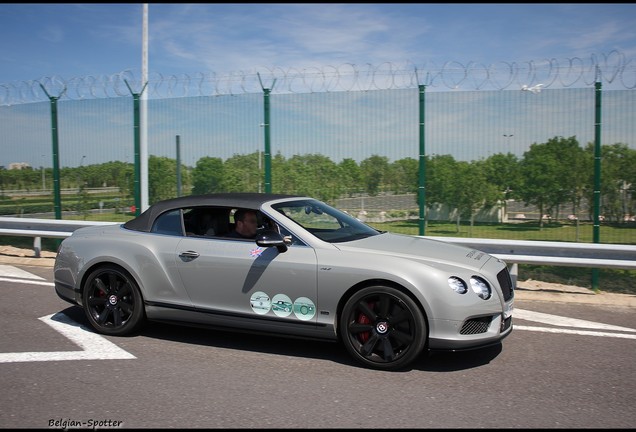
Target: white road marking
25,281
8,273
577,332
11,271
94,346
564,322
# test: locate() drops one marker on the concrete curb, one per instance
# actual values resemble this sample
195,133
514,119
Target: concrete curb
564,296
28,261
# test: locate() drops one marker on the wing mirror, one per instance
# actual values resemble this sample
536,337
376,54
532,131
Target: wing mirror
270,238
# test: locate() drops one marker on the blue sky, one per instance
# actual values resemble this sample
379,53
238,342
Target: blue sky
77,40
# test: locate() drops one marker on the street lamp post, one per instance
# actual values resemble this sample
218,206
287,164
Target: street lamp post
79,174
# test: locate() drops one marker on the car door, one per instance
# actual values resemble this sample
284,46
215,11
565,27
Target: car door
238,278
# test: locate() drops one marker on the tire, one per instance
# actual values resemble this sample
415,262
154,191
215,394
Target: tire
383,328
112,301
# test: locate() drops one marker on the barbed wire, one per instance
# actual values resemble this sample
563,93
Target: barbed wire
612,68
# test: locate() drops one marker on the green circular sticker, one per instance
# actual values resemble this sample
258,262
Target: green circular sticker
282,305
304,309
260,302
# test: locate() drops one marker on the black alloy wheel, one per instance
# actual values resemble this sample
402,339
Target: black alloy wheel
112,301
383,328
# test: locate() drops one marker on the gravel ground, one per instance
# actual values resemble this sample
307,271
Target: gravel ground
28,253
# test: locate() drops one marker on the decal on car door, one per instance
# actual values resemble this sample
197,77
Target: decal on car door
303,308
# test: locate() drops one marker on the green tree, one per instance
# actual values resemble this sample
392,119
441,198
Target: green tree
313,175
3,176
547,181
279,174
470,191
440,176
575,183
83,202
350,176
242,173
618,178
375,170
403,176
162,178
572,175
502,170
208,176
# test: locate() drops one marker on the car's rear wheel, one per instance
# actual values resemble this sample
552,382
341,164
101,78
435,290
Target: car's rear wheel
383,328
112,301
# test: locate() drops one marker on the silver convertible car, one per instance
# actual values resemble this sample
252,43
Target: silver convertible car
311,271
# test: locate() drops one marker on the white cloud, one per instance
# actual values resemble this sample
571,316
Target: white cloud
52,34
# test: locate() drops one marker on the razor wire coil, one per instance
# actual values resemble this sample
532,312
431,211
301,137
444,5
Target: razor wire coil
612,68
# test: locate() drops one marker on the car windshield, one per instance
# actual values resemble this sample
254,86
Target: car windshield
325,222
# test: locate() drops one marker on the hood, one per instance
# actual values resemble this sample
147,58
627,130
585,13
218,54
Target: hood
419,249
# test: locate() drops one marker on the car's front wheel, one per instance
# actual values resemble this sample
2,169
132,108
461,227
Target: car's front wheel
383,328
112,301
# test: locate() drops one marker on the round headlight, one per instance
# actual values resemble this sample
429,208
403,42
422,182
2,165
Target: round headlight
480,287
457,285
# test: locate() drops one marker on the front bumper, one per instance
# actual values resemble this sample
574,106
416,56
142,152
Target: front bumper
473,333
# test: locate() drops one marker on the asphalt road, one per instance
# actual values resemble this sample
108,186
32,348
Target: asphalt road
565,365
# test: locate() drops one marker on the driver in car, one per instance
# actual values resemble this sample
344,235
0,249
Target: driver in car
245,224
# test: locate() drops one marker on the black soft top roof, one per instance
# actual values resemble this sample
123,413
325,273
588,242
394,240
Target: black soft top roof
144,221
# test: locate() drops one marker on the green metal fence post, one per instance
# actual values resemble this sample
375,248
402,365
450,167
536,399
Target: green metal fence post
597,176
137,134
422,165
178,166
268,153
266,124
57,194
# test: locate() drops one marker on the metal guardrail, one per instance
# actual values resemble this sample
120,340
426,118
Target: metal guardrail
590,255
42,228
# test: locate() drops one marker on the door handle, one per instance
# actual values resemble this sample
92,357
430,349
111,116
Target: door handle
188,255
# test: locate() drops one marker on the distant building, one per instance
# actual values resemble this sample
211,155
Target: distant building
19,165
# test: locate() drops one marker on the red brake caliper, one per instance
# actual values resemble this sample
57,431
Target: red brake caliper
363,319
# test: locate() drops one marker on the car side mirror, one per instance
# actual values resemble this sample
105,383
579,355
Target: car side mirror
270,238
